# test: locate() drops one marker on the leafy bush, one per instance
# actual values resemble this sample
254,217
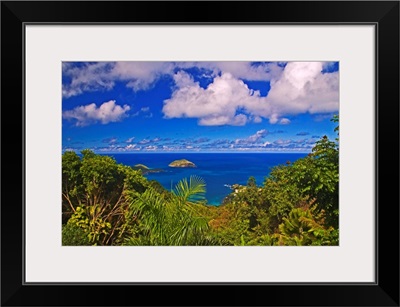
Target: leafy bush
73,235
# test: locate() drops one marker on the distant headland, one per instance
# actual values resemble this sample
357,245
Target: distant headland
145,169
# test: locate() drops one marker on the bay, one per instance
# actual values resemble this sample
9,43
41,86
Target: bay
219,170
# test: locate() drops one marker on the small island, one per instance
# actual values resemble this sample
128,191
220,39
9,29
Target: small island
141,166
145,169
182,163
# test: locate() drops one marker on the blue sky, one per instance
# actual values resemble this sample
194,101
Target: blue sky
133,107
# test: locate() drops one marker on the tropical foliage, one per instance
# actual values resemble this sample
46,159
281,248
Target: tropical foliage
106,203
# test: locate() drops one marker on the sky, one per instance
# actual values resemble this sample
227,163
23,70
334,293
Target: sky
138,107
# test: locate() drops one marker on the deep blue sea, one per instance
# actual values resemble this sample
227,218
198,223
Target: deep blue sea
217,169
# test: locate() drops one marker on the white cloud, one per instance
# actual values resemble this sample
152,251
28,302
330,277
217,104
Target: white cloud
282,142
103,75
112,140
284,121
89,77
304,88
140,75
219,120
144,141
300,88
130,140
149,141
215,105
183,79
240,69
257,119
90,114
252,139
130,146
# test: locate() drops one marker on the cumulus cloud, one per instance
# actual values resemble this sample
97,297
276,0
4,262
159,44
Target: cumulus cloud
137,75
284,121
151,148
111,140
304,145
253,143
252,139
141,75
144,141
130,147
90,114
262,71
282,142
295,88
86,77
257,119
150,141
301,87
216,105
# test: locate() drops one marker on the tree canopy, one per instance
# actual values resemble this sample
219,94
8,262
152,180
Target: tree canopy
106,203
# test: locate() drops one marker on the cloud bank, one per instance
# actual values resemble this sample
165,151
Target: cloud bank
302,87
89,114
295,88
138,75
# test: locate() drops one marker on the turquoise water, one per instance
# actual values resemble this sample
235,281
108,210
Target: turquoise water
219,170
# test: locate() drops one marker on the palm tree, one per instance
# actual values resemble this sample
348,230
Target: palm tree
170,218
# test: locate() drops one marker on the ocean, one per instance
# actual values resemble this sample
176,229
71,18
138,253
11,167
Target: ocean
219,170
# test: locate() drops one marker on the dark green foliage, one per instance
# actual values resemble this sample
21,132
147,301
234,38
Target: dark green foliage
251,182
105,203
94,195
303,226
72,188
110,204
102,179
170,220
73,235
253,215
231,223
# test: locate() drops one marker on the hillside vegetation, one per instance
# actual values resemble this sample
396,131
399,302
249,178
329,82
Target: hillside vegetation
106,203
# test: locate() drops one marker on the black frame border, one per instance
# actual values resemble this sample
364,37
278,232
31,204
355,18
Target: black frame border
16,14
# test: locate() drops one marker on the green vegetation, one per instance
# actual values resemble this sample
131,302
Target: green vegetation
105,203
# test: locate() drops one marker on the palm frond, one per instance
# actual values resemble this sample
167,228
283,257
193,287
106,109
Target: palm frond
192,190
153,212
170,221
